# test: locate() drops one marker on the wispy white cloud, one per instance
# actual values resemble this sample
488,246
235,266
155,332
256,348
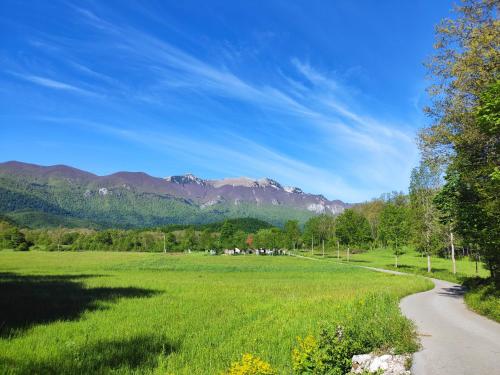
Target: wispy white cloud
229,155
374,154
53,84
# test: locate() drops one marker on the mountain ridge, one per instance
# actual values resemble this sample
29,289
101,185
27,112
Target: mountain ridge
173,199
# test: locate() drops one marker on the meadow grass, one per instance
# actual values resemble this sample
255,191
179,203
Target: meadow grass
99,312
481,296
410,262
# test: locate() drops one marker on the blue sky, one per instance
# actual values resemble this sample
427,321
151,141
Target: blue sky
324,95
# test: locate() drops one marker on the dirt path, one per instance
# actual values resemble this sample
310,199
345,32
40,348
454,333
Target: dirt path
455,340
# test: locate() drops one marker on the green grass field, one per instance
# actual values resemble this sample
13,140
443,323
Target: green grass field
480,296
411,262
99,312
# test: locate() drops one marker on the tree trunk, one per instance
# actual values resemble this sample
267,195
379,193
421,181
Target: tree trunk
312,245
348,253
428,263
338,250
453,253
396,261
323,245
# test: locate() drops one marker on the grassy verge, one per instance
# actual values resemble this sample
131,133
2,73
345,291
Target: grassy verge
481,296
98,312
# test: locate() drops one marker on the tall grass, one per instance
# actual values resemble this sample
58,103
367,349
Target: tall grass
182,314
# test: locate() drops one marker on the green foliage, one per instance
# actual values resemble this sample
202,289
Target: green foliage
226,237
292,234
12,238
427,233
331,354
483,297
271,238
394,227
470,198
353,229
364,331
463,136
466,62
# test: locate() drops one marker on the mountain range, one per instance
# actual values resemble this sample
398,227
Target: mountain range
35,195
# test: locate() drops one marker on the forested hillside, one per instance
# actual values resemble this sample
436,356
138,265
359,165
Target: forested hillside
63,196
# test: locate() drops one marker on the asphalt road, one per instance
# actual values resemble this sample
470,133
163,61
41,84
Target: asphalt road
454,339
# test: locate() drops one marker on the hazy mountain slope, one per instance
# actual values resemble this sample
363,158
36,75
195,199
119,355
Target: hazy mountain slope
135,199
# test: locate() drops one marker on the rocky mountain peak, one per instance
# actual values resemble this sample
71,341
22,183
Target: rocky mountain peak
293,190
188,178
265,182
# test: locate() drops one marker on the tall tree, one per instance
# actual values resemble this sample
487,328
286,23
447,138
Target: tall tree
464,134
394,228
352,229
226,235
292,233
426,231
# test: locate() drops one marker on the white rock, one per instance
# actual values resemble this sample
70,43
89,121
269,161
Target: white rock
388,364
103,191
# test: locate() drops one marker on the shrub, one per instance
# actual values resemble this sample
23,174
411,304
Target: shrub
251,365
23,246
330,354
370,323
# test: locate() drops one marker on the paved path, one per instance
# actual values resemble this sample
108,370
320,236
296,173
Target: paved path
455,340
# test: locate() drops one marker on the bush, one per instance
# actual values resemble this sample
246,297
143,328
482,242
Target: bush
251,365
23,246
330,354
371,323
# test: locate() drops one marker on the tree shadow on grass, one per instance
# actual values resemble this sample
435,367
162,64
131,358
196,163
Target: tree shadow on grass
27,300
139,353
415,269
358,261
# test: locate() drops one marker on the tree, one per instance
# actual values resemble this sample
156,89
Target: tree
189,239
268,238
170,241
352,228
239,240
206,240
371,210
464,134
426,232
319,229
325,226
470,199
226,235
12,238
292,233
393,228
466,62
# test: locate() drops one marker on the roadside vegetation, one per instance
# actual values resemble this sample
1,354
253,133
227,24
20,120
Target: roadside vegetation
101,312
